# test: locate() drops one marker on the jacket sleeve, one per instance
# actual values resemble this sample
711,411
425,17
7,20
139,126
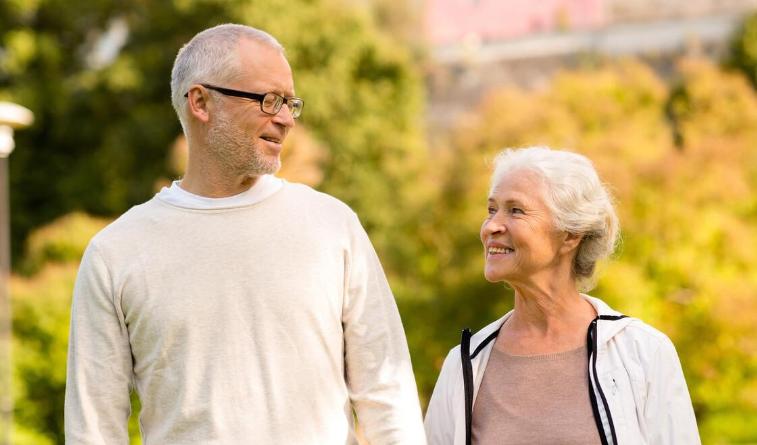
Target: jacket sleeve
669,414
377,361
440,415
99,369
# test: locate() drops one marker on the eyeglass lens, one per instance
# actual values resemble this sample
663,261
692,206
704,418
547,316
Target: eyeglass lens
272,104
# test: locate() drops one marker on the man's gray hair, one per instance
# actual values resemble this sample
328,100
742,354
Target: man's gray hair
211,57
580,204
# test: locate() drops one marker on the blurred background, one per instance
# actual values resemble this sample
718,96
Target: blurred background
407,102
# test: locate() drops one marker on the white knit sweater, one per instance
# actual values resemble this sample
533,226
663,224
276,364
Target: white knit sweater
266,323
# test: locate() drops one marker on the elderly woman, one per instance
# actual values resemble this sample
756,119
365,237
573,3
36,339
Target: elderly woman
561,367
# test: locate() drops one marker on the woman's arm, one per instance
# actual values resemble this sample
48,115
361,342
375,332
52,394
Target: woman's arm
440,415
668,413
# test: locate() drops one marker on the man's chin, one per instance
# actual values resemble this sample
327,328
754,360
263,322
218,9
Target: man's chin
274,167
268,168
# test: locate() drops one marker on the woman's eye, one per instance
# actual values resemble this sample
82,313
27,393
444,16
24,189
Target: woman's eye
516,210
492,211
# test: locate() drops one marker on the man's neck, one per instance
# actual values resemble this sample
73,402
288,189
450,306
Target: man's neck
213,186
203,179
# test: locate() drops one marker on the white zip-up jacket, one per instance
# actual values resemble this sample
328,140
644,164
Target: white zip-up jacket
634,373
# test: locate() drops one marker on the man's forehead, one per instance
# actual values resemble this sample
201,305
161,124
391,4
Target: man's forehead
259,50
265,65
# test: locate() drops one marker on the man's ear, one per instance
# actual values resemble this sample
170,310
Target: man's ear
197,100
571,242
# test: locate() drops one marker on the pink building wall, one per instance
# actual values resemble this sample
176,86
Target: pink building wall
452,21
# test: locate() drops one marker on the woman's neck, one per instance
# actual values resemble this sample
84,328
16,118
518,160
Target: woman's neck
545,320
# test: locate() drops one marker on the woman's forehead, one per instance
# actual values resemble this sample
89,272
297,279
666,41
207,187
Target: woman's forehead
518,184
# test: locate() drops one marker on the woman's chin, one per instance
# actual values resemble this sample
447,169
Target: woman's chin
493,276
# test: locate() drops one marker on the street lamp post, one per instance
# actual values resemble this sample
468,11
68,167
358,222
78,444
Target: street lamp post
11,116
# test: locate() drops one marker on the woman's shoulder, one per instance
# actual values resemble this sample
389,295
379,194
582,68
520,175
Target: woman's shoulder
639,330
626,328
637,333
645,345
478,341
452,360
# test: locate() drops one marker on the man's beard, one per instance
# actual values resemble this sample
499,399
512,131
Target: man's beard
235,152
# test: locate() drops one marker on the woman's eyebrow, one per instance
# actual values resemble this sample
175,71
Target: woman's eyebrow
509,201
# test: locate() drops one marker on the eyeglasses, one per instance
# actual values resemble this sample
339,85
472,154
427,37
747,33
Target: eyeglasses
270,103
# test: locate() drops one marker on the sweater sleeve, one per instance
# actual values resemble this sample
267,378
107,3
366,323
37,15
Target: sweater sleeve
99,374
668,412
377,361
440,419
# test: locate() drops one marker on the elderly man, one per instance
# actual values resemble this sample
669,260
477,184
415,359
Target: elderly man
241,307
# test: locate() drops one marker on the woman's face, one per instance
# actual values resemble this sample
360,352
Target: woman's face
519,238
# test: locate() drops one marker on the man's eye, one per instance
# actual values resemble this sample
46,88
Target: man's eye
516,210
492,211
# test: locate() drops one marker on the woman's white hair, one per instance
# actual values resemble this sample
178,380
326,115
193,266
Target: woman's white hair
211,57
580,204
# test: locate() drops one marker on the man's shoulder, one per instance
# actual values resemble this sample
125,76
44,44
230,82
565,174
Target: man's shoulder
317,200
127,227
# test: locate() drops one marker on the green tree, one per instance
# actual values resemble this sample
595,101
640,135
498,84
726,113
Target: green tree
41,308
104,125
743,52
106,136
706,273
680,160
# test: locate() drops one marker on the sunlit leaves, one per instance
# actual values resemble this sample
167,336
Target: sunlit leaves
680,158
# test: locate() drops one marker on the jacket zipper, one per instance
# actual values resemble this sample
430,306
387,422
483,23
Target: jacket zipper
602,418
602,414
467,382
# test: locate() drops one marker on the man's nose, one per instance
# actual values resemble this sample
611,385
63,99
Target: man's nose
284,117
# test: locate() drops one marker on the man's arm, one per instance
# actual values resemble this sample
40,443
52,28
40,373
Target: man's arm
378,369
99,374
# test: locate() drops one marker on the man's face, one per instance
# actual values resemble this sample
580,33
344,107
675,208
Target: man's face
243,139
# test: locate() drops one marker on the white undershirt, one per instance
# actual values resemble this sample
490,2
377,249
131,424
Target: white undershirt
264,187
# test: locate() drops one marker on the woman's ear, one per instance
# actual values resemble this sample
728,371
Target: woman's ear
571,241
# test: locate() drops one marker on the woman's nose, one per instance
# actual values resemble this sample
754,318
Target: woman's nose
493,225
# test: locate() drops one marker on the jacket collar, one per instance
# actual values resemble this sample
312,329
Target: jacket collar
608,330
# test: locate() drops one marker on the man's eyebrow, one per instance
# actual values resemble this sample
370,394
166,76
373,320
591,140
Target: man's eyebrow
283,92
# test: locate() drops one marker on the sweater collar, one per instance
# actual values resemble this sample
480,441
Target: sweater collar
265,186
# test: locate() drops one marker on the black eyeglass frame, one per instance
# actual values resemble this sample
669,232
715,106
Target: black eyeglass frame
259,98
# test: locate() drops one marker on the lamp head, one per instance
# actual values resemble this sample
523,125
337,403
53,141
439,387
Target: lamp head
12,116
